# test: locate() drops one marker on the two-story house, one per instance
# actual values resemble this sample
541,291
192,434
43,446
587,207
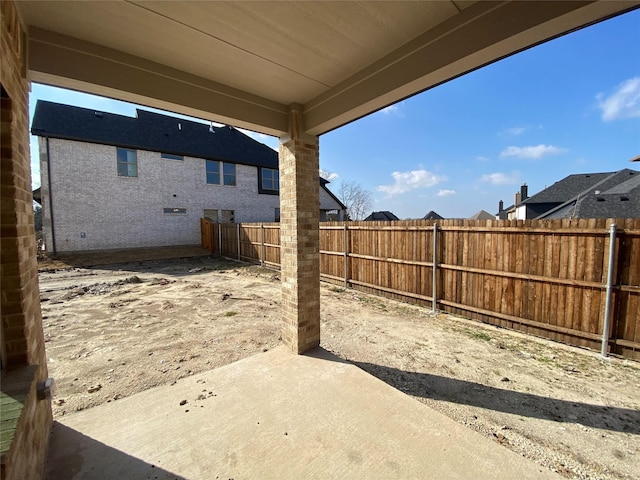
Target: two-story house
112,181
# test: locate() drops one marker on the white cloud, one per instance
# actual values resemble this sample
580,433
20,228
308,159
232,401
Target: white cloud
499,178
406,181
444,193
327,175
534,152
480,158
393,110
623,103
513,131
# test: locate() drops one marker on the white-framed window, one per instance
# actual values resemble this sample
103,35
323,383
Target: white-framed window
171,156
217,171
127,163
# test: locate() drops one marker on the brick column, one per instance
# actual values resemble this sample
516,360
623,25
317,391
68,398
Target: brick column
23,355
299,236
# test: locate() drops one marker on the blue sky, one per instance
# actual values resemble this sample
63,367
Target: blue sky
571,105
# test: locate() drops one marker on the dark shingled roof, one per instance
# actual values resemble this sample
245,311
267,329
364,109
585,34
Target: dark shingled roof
150,131
567,188
482,215
381,216
432,216
616,196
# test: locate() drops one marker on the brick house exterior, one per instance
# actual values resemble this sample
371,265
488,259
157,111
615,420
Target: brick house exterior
111,181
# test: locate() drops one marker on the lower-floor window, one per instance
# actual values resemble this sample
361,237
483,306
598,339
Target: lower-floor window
277,215
211,214
228,216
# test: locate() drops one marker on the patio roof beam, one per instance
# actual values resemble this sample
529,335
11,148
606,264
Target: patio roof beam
68,62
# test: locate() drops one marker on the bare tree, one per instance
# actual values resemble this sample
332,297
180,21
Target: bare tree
357,200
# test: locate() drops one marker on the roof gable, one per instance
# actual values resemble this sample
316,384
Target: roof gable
482,215
381,216
432,216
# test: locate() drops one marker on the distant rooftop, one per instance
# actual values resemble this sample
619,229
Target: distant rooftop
381,216
432,216
482,215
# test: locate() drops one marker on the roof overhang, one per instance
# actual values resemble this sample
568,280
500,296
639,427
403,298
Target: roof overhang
245,63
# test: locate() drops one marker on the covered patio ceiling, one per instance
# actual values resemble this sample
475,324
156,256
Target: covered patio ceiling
245,63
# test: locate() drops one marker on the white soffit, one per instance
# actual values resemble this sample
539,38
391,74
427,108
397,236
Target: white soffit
245,62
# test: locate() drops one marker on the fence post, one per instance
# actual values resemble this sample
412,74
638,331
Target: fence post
219,239
607,305
262,253
238,236
346,255
434,300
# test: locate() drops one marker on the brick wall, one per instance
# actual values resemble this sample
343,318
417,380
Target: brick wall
22,335
299,239
94,208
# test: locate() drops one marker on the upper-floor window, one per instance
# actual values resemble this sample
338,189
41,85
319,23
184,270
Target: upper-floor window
229,172
170,156
270,179
215,172
127,163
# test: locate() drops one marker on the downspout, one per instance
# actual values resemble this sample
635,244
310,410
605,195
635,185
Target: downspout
53,230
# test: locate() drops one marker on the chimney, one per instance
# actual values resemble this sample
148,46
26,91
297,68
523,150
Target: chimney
500,206
524,192
517,201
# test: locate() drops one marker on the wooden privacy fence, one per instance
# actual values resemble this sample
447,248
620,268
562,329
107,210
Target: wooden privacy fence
543,277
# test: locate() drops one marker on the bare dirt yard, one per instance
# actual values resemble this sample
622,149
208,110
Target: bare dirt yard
116,330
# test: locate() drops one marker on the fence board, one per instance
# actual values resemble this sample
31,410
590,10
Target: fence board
542,277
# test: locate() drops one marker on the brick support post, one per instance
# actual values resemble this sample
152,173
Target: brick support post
299,236
22,340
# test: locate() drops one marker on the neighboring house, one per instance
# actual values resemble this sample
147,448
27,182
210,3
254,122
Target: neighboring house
381,217
587,195
510,213
111,181
482,215
432,216
617,195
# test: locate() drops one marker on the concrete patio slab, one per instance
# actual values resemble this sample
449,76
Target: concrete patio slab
276,416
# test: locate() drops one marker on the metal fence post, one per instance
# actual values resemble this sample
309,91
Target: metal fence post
434,294
262,252
607,306
346,255
238,235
